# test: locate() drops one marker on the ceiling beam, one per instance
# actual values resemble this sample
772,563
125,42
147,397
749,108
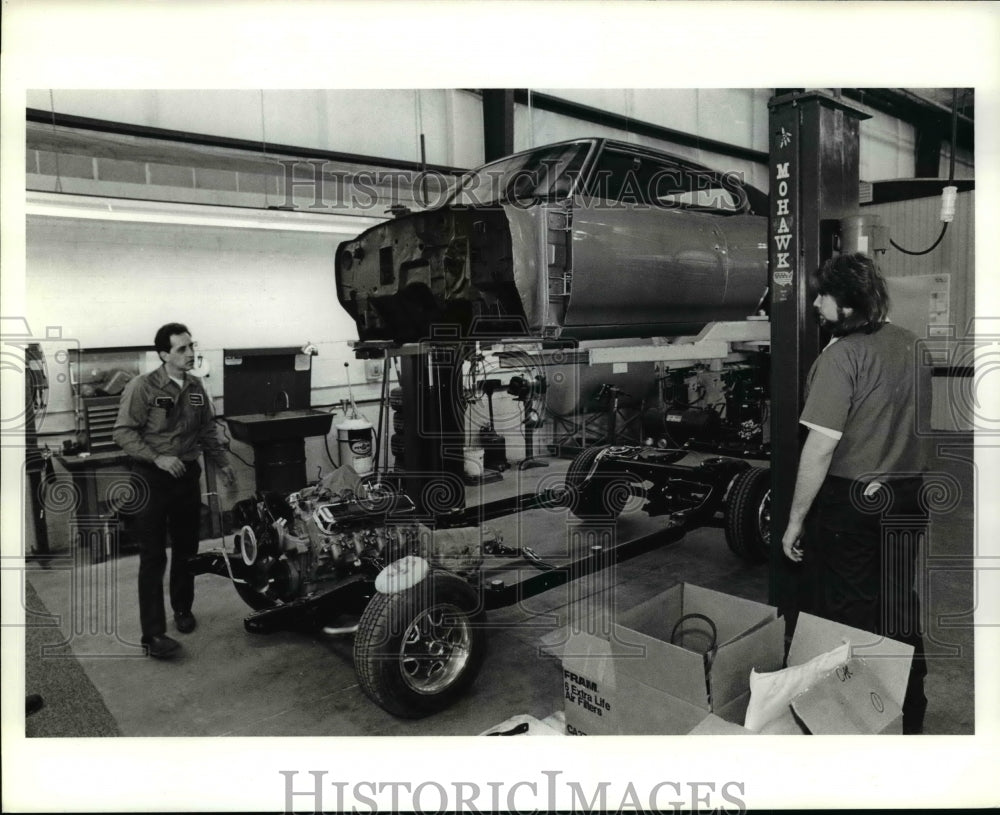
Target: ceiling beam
922,113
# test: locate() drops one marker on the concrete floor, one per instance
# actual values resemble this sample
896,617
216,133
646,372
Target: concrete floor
82,653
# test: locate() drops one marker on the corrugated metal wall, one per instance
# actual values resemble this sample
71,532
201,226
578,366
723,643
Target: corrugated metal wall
915,225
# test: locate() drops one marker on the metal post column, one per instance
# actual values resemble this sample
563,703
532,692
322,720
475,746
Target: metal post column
814,177
498,123
434,431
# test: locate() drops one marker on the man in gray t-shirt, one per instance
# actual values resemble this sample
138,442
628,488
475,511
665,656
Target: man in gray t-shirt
861,392
862,462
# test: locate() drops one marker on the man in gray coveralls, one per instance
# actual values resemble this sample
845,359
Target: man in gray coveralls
165,420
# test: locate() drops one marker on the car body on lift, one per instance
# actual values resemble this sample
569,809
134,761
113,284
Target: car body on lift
583,239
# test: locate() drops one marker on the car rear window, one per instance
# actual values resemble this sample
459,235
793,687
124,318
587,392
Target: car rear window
547,174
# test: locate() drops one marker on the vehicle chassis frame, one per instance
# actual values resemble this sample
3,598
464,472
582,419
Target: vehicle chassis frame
351,594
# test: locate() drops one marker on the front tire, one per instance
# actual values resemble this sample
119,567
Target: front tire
748,514
417,651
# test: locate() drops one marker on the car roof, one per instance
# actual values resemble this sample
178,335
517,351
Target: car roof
601,142
756,200
654,151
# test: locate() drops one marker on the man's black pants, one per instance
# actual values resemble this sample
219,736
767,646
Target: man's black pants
861,556
174,505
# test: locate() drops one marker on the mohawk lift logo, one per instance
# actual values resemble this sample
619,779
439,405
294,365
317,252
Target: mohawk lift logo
782,233
781,217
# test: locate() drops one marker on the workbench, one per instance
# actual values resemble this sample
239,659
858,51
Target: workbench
94,508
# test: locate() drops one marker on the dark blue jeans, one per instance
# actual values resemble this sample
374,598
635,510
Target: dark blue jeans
172,505
861,556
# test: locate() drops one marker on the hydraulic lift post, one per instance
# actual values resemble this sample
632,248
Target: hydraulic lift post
815,178
433,429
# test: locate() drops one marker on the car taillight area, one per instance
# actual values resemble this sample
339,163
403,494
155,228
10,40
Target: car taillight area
450,268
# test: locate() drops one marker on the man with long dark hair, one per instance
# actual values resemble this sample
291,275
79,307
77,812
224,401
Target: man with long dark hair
860,472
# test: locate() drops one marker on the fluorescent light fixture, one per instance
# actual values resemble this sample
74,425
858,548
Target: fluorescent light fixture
55,205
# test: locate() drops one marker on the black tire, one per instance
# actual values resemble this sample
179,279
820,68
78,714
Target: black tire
416,652
604,495
748,514
580,466
583,503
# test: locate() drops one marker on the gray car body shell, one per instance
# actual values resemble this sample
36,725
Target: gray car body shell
582,267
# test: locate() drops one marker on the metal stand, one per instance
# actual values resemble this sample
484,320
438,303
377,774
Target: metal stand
613,424
494,446
530,462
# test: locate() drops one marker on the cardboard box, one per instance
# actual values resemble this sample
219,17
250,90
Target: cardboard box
635,682
862,696
866,695
713,725
851,701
